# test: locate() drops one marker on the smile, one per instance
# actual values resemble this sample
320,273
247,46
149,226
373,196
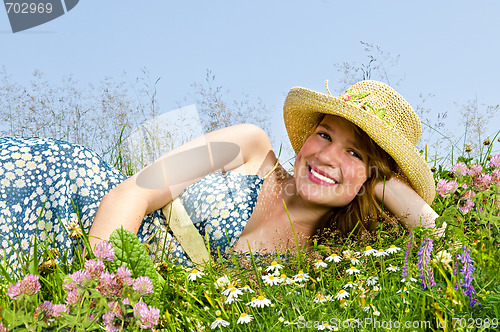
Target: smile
320,178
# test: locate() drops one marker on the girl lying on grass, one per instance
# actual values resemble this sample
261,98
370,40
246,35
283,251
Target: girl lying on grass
355,153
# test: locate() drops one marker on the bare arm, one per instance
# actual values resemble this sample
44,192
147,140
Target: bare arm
407,205
159,183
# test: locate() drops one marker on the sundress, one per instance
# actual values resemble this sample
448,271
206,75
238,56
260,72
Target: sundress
48,187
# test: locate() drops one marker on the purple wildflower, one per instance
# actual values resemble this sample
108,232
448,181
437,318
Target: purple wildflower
109,285
143,285
147,317
495,161
105,251
3,328
47,310
125,274
408,249
465,282
495,177
445,188
72,296
424,258
58,308
30,285
482,181
475,170
109,322
94,267
459,169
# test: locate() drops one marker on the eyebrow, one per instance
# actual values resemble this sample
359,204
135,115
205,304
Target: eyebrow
351,143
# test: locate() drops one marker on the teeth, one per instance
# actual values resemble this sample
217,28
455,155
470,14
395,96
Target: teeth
322,177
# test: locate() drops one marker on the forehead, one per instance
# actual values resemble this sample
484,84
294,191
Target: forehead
334,121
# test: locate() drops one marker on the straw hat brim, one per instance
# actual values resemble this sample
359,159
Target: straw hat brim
303,108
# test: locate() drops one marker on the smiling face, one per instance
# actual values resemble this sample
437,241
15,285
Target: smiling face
331,168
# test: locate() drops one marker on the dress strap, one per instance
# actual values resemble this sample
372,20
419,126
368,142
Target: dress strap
272,170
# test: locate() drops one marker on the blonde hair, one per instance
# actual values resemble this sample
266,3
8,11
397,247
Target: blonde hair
362,213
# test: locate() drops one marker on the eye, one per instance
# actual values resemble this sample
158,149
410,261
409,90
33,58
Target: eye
324,135
356,154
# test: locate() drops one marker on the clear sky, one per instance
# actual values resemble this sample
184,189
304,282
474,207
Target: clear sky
263,48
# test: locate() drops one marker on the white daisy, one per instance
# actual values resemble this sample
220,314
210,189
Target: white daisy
195,274
352,270
333,257
355,261
350,284
270,280
246,288
392,249
260,302
380,253
219,322
371,280
228,290
301,277
319,263
244,318
392,268
369,251
274,266
342,294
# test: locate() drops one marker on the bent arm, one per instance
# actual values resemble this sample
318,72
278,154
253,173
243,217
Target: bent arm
407,205
166,178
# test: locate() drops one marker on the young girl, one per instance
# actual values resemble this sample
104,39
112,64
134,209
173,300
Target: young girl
355,152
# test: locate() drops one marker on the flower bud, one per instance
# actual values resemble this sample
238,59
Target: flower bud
487,142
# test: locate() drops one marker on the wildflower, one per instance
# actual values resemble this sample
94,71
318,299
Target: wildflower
475,170
108,320
411,280
147,316
352,270
143,285
459,169
342,294
195,274
274,266
369,251
301,277
465,205
323,326
424,257
371,280
222,281
244,318
392,268
125,274
228,290
246,288
260,302
333,257
407,254
445,188
355,261
218,322
110,286
466,272
405,290
381,252
30,285
392,249
3,328
233,295
270,280
319,263
350,284
284,279
319,298
376,313
94,267
444,258
75,231
495,161
105,251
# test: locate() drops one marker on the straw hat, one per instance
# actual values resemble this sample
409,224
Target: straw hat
379,111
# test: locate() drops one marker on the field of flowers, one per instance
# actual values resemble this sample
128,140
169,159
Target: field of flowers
396,280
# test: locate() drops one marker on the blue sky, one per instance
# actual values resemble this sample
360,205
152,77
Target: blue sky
263,48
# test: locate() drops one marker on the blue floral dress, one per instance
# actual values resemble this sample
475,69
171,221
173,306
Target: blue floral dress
48,187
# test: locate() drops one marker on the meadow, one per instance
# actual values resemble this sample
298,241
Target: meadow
393,280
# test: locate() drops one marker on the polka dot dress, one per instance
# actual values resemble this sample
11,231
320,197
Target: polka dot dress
46,186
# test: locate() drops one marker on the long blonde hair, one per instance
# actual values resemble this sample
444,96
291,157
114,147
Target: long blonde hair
362,213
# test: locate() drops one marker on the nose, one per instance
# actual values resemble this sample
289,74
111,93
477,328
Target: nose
330,154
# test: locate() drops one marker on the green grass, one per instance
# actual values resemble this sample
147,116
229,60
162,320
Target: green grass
389,303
